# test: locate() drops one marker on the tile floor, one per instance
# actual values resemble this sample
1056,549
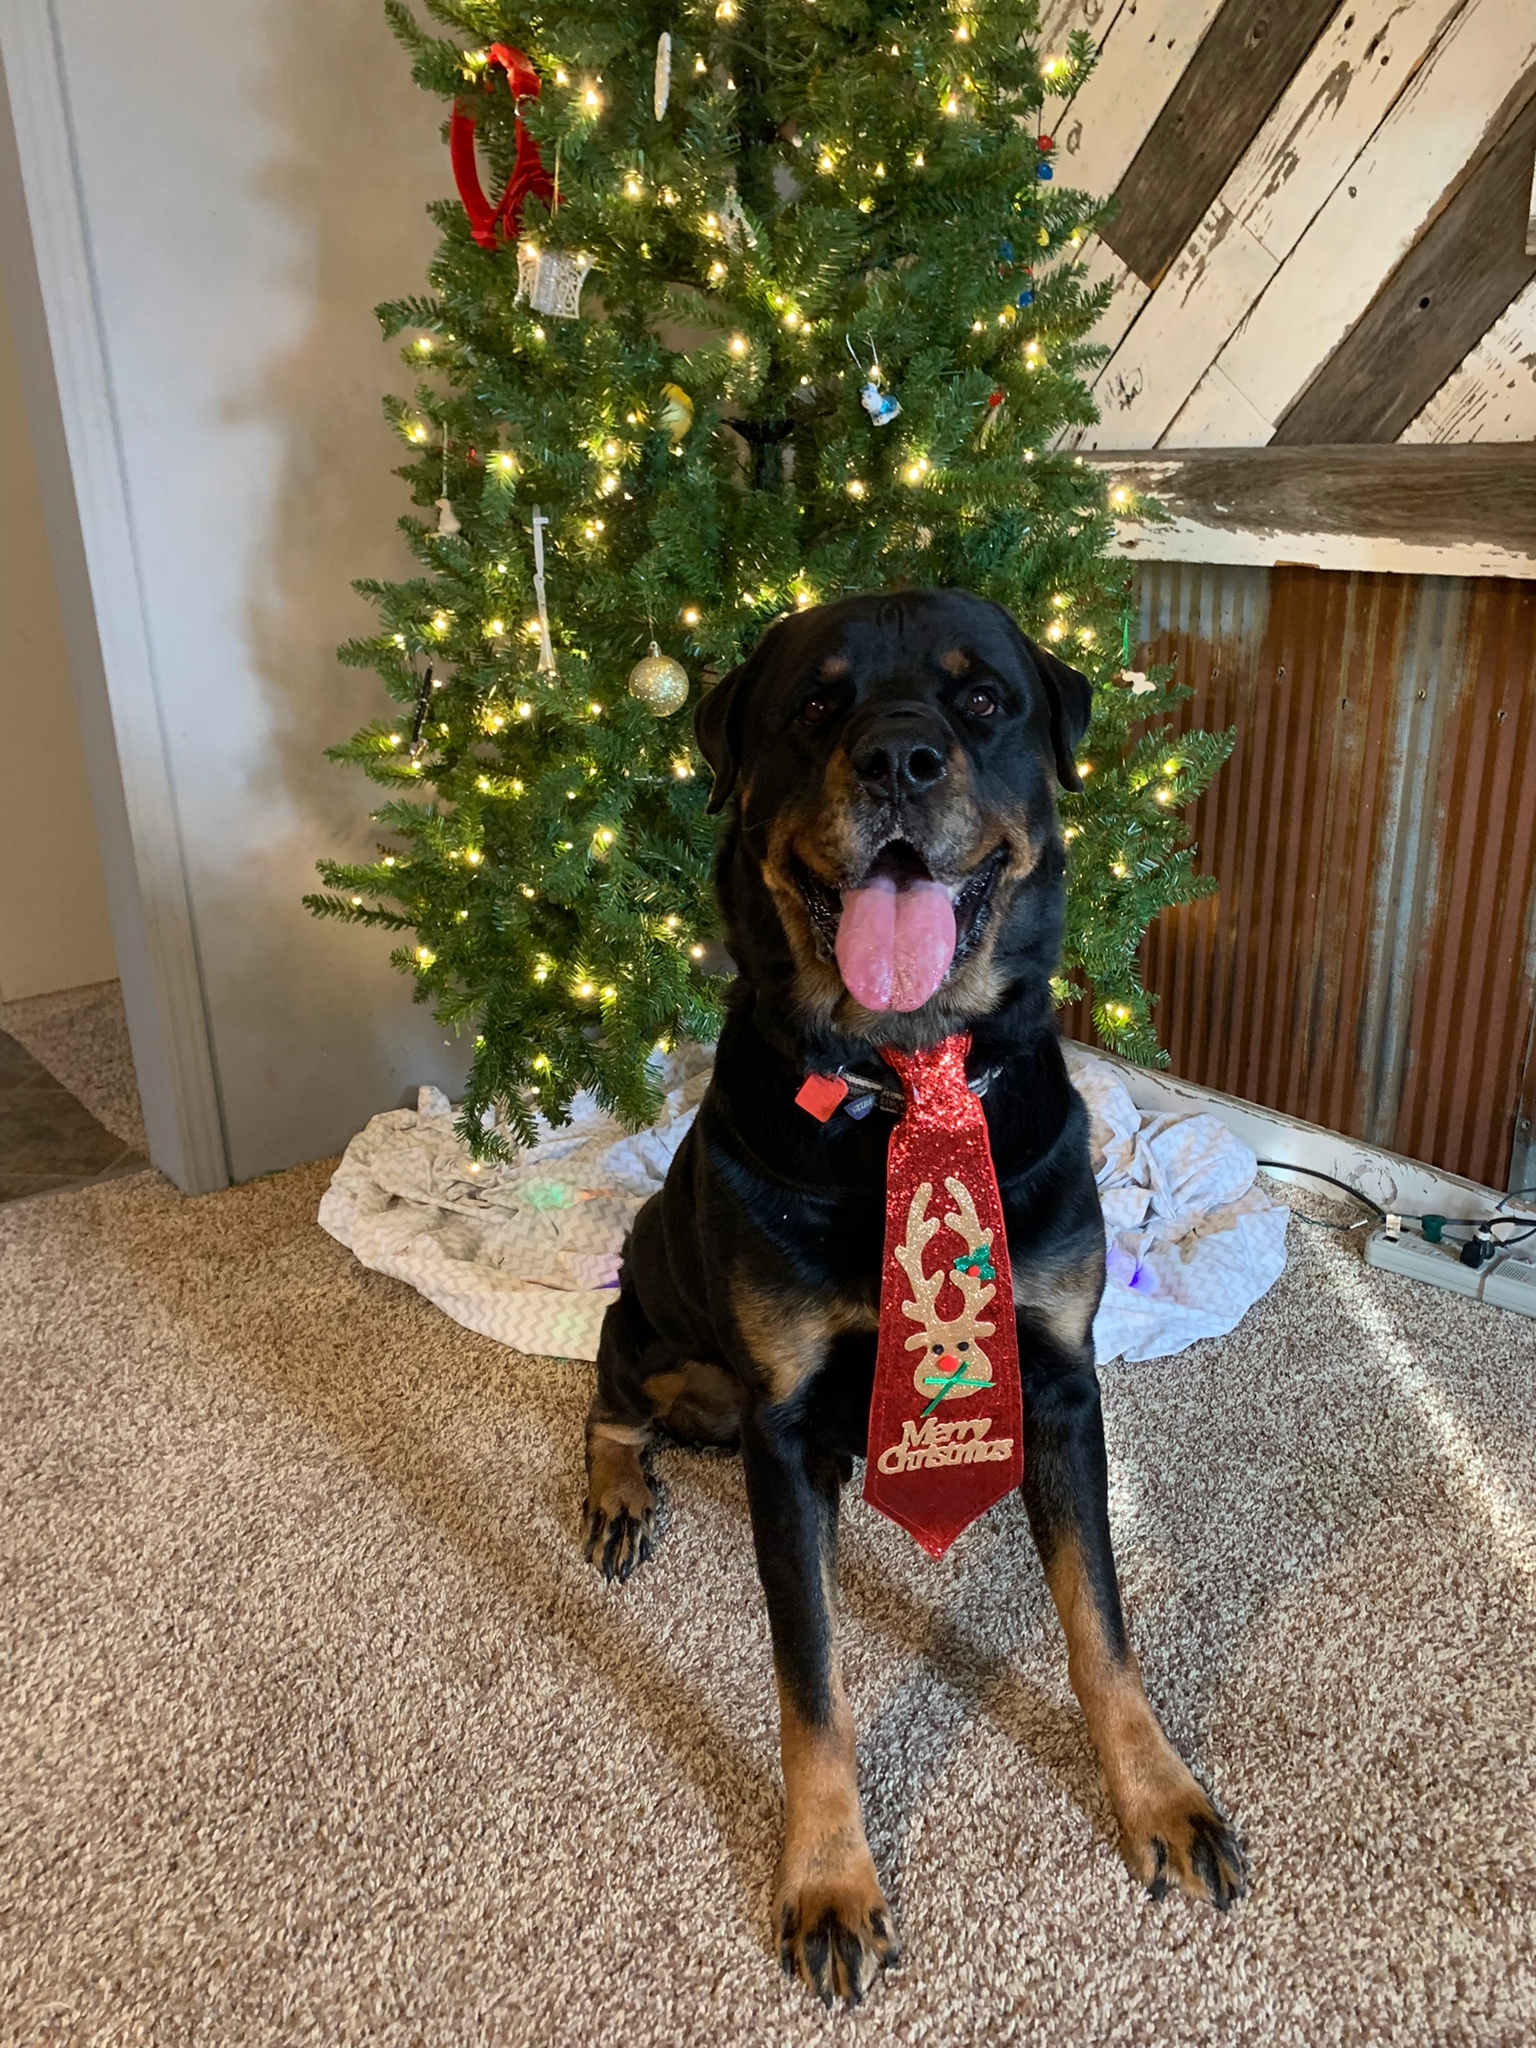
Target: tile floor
48,1140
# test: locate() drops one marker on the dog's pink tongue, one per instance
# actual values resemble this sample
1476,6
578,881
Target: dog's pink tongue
894,946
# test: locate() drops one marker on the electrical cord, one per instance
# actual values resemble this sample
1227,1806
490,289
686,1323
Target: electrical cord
1439,1223
1284,1166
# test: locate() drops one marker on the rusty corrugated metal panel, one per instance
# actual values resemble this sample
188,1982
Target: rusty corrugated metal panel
1368,963
1470,1016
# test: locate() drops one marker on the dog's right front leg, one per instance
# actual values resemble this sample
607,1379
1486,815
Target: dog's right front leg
834,1927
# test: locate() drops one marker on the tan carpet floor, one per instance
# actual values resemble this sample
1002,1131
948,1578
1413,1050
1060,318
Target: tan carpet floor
316,1728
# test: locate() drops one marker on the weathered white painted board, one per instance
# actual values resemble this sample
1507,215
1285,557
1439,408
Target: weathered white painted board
1389,192
1351,80
1329,112
1186,540
1216,415
1491,394
1058,19
1100,263
1140,60
1182,328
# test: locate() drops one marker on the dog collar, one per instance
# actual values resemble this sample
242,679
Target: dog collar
856,1094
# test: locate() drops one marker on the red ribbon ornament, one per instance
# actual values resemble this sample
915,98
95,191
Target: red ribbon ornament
490,225
946,1418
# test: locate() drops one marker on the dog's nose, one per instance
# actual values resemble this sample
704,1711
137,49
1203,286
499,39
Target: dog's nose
898,757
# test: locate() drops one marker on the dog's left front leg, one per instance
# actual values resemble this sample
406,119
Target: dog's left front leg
834,1927
1170,1829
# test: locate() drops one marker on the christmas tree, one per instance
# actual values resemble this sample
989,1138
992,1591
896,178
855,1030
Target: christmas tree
743,306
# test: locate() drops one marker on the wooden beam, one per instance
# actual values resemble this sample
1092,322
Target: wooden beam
1248,57
1464,272
1468,510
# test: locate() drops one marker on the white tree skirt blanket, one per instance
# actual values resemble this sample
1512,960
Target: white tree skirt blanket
529,1253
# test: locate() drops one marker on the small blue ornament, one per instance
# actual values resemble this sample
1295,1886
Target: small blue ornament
1044,172
1005,253
882,406
1025,298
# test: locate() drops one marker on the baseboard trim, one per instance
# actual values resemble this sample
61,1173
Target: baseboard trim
1402,1186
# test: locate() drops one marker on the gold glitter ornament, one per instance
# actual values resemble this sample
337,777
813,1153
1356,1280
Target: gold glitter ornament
659,682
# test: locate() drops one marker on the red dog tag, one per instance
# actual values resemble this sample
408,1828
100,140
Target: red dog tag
820,1095
946,1420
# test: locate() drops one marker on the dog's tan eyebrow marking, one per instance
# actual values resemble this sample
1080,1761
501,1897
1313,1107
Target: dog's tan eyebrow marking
956,662
835,666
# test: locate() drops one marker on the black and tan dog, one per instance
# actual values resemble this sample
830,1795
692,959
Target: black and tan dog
872,749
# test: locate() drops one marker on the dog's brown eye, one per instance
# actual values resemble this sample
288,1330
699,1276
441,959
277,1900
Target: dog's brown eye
980,702
813,711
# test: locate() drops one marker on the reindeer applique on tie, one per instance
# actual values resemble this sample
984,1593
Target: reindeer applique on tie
952,1360
946,1414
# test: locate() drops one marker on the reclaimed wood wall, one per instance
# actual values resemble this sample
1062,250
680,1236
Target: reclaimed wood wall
1322,233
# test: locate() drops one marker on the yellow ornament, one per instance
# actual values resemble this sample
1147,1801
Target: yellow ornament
676,412
659,682
1043,238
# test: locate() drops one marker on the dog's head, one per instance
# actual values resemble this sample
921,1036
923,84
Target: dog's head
891,761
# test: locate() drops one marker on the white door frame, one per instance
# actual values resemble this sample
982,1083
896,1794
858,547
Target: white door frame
51,284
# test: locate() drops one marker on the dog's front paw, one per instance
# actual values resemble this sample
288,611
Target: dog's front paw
836,1933
1176,1836
619,1538
620,1507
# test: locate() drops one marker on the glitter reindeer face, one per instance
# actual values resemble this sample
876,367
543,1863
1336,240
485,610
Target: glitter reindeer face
954,1365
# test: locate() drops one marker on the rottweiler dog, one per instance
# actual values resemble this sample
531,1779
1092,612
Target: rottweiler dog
891,872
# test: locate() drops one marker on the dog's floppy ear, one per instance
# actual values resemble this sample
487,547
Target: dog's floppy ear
1071,700
719,724
717,721
1071,696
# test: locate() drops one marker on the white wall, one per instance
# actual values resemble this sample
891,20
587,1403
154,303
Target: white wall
252,182
54,931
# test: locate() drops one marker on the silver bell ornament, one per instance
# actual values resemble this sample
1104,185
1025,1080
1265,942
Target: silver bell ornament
659,682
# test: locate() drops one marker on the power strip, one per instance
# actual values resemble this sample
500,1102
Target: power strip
1508,1281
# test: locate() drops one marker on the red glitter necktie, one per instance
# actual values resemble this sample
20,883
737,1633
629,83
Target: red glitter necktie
946,1420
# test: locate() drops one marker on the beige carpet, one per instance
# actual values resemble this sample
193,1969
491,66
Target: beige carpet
315,1727
81,1036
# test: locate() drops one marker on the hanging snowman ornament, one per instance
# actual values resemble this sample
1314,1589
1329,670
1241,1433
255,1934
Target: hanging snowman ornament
882,406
